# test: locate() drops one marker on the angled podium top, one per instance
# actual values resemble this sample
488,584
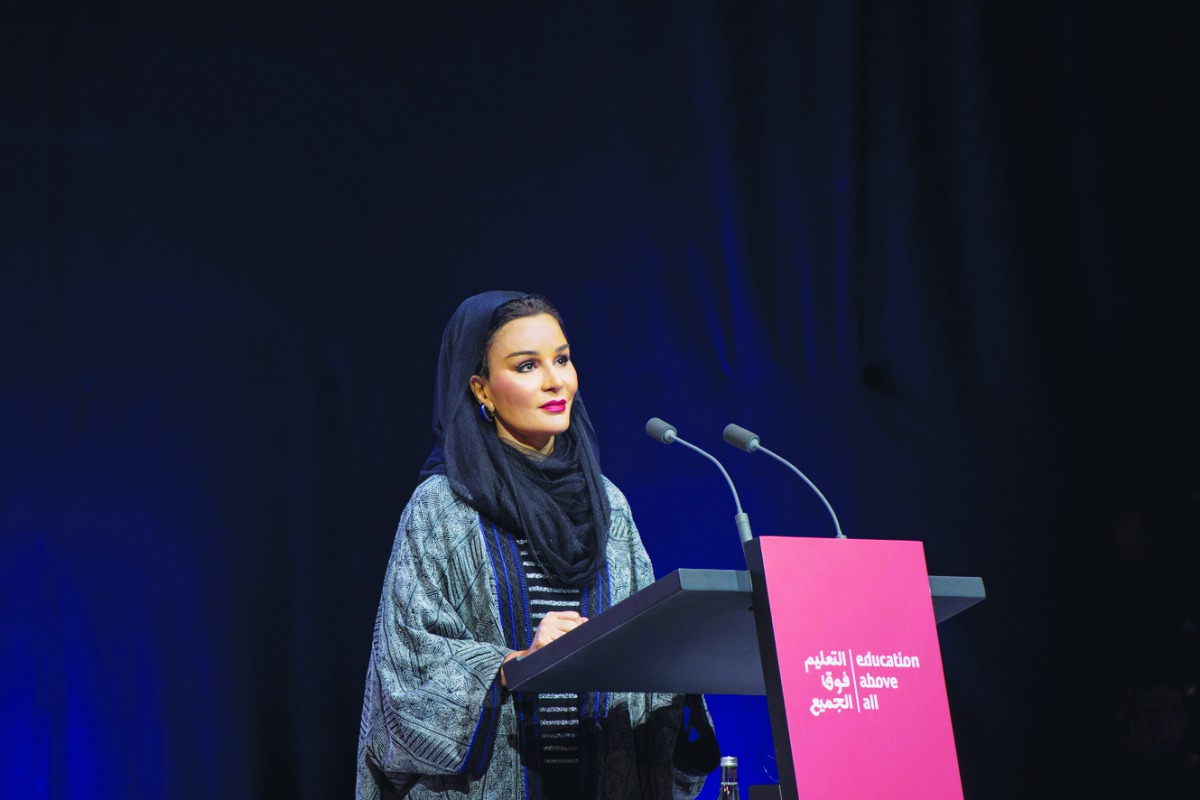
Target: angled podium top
691,631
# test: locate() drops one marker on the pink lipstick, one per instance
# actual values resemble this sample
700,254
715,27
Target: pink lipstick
555,406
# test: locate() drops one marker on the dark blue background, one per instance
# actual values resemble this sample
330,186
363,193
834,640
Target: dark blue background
942,255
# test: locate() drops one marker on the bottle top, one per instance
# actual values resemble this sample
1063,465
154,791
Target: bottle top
728,761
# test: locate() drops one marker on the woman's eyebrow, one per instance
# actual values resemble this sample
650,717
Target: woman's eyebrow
558,349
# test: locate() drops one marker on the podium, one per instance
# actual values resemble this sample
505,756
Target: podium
837,633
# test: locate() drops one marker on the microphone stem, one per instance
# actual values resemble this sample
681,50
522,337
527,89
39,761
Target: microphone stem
811,485
728,480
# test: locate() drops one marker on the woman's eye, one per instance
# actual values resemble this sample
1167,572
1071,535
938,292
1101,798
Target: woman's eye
562,360
525,366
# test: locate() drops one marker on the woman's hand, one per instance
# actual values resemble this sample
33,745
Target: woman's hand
552,626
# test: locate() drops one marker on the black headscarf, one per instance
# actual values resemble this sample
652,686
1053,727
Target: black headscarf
558,501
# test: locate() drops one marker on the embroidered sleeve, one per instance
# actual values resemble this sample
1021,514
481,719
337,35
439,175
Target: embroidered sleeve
433,694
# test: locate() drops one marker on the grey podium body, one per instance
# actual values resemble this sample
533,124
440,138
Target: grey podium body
692,631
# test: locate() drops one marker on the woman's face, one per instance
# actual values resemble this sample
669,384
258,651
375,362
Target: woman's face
531,382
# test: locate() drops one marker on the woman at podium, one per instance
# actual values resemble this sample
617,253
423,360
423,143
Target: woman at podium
513,539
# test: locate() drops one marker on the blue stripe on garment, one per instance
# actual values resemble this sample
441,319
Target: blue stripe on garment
504,600
524,592
501,585
512,614
475,762
606,581
535,746
599,608
479,751
607,586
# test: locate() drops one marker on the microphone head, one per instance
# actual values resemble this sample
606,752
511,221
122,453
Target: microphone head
660,430
740,438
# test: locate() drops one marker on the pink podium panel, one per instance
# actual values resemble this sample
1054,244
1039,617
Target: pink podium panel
850,645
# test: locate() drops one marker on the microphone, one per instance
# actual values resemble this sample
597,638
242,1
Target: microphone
661,431
665,433
743,439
